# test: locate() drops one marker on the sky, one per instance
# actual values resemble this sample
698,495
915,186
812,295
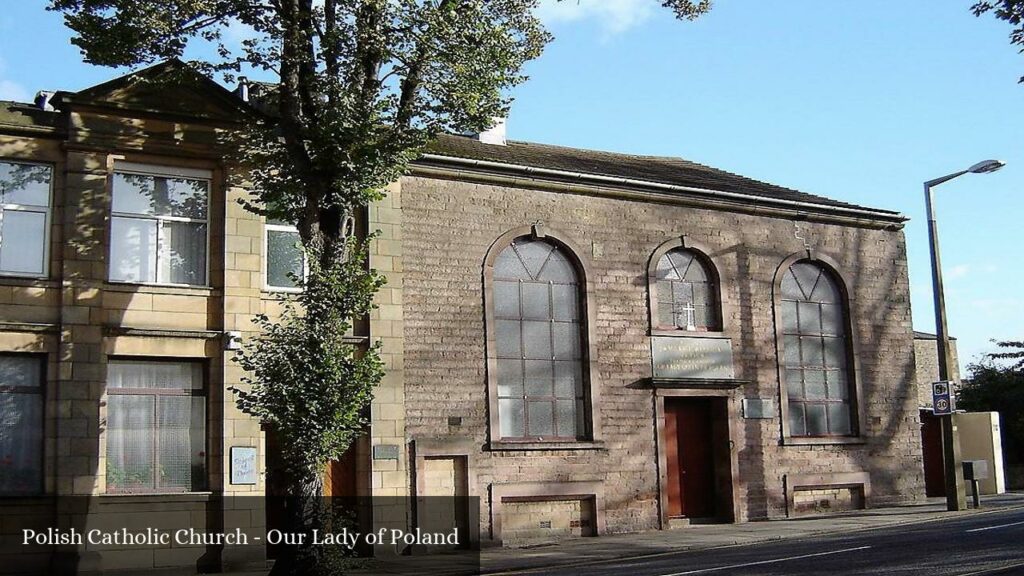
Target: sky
857,101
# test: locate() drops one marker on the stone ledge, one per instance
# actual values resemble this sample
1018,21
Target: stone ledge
546,446
28,327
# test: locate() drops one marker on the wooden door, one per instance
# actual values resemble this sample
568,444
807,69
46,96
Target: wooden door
931,448
689,456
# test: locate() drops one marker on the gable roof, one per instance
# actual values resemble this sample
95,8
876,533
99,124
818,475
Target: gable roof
671,173
170,87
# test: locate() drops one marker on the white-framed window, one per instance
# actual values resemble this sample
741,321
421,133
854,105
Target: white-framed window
25,200
21,424
159,225
284,255
156,426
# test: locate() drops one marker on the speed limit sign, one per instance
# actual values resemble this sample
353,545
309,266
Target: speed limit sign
942,398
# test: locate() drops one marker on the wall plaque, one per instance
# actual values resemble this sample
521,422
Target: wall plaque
688,357
243,465
759,408
385,452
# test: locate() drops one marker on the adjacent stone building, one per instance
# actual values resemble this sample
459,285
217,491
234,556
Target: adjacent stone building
588,342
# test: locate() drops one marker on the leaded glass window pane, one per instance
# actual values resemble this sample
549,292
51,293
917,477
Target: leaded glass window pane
506,299
686,295
535,301
814,353
512,417
540,417
538,341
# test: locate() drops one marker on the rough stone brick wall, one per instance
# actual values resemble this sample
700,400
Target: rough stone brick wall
926,353
824,500
533,522
448,227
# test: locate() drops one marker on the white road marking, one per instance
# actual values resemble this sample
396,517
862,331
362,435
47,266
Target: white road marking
762,562
995,527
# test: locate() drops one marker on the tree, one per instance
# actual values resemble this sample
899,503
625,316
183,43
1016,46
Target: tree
994,387
361,86
1016,353
1010,10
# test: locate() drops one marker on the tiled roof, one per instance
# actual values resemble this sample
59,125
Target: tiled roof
654,169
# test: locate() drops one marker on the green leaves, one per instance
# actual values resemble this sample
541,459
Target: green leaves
360,87
308,378
1011,11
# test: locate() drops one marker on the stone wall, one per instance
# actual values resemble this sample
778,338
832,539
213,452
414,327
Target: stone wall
448,227
926,354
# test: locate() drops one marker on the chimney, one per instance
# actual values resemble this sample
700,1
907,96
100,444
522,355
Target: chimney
243,88
495,134
42,101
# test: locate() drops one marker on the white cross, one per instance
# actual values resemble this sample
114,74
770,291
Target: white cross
689,309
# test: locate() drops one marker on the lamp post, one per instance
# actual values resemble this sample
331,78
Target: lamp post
955,496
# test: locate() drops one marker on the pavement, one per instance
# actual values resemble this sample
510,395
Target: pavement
583,551
573,556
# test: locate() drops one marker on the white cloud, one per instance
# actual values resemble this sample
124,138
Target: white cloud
614,16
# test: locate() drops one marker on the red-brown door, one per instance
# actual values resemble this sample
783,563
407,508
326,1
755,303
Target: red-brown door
689,456
931,448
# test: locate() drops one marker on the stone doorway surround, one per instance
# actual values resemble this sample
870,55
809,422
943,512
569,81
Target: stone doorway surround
726,473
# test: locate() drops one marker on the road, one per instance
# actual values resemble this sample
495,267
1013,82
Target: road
975,545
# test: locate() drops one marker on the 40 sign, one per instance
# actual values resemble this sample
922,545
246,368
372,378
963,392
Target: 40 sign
942,398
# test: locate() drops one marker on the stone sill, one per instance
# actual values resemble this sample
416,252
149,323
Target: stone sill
157,497
825,441
37,327
29,281
176,289
545,446
689,334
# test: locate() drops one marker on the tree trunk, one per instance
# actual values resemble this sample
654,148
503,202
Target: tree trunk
306,511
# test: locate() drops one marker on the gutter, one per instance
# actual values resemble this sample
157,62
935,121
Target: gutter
531,171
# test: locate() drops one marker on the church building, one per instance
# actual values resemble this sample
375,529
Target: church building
585,342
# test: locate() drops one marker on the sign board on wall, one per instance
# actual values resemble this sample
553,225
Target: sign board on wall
691,357
243,465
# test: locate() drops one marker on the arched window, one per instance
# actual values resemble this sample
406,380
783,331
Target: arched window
815,355
685,293
538,342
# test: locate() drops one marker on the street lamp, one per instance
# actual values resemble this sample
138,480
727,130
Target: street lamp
955,497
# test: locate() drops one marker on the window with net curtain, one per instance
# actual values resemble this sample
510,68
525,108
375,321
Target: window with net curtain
815,359
158,229
156,426
686,293
538,342
21,424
